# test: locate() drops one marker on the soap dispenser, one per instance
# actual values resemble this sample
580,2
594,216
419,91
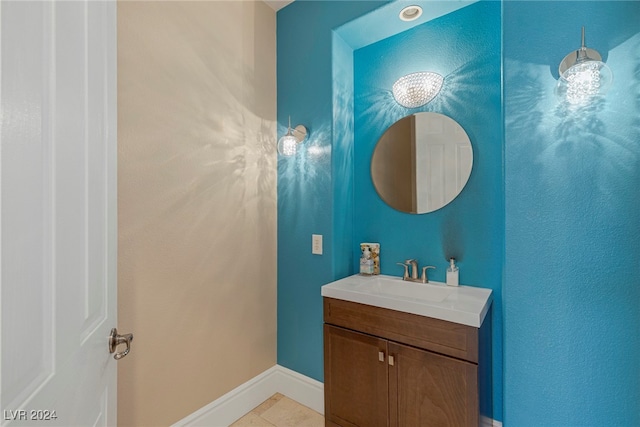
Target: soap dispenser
452,273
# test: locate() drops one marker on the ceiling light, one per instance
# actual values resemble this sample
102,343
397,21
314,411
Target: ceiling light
410,13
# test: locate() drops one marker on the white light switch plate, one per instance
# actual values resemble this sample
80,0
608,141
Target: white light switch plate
316,244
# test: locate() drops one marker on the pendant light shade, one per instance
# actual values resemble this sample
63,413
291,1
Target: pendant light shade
583,76
288,144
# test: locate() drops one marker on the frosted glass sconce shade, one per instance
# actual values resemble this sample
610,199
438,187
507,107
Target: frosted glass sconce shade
288,144
417,89
583,76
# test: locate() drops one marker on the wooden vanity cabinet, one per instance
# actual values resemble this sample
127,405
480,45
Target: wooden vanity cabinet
388,368
359,380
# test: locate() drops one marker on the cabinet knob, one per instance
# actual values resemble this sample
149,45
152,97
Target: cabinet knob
391,361
381,356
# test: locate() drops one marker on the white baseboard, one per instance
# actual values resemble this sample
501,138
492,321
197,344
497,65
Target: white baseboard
227,409
233,405
301,388
488,422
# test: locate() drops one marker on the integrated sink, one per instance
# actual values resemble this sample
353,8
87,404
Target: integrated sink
394,288
466,305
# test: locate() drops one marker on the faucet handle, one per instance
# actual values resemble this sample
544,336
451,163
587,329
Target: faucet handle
425,279
406,270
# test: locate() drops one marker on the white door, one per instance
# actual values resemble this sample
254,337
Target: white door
58,212
443,160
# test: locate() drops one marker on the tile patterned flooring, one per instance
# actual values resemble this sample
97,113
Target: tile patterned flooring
280,411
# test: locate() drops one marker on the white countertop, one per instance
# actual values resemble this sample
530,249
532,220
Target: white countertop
466,305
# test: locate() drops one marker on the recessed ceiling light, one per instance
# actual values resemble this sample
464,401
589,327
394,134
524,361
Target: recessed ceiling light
410,13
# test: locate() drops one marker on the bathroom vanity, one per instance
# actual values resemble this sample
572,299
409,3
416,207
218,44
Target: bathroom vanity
405,354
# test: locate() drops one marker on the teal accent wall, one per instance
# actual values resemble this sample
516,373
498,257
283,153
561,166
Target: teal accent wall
572,198
550,218
314,187
464,47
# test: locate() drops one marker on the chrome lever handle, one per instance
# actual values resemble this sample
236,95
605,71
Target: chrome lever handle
115,340
425,279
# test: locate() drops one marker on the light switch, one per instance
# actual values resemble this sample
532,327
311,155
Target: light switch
316,244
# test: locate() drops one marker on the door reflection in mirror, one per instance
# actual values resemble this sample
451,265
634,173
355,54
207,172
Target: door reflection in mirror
422,162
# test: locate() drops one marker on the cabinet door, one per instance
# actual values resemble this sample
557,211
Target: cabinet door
355,379
430,390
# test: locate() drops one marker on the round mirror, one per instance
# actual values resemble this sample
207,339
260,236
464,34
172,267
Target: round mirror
421,163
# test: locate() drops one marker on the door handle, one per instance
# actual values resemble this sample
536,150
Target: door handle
115,340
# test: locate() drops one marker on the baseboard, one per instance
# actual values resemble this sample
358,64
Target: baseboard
233,405
225,410
301,388
488,422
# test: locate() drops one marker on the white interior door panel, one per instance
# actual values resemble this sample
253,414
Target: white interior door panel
58,212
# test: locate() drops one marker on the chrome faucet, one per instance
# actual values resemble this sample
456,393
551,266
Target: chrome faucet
413,276
413,263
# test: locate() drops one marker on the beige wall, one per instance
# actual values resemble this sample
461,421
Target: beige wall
197,203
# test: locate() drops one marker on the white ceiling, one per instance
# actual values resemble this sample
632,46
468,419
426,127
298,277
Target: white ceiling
277,4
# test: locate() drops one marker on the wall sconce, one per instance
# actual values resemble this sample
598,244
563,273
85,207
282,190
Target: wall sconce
417,89
288,144
583,75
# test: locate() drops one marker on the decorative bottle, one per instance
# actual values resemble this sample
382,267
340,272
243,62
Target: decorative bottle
366,262
452,273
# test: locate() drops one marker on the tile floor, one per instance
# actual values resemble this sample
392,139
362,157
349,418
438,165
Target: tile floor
280,411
